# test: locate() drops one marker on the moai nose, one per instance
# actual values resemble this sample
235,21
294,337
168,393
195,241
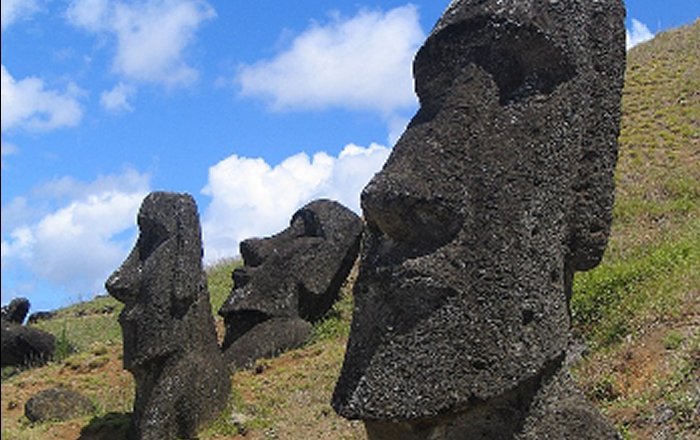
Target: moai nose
120,285
407,216
252,252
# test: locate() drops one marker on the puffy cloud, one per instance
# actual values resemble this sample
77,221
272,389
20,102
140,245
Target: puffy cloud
78,244
152,36
117,99
91,15
639,33
362,62
68,187
13,10
27,104
252,198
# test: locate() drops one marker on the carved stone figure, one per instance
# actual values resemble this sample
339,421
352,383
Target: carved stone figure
23,345
167,324
500,188
289,280
16,310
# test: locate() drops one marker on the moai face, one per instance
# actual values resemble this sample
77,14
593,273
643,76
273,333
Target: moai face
296,273
499,189
160,279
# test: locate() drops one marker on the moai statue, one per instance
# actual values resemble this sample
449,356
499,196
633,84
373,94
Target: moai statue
499,190
167,324
289,280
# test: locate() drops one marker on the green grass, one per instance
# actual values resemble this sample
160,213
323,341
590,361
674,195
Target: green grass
219,281
609,300
77,327
336,324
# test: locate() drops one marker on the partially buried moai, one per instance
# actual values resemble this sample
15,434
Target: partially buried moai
499,190
289,281
170,343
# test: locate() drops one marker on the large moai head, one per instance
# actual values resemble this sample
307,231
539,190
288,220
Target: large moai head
500,188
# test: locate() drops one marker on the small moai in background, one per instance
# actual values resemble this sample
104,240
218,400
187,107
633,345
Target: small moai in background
288,281
170,343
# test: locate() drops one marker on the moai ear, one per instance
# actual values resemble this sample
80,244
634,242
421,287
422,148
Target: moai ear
592,214
189,280
594,188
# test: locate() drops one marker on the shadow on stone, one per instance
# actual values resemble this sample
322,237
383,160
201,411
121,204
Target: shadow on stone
111,426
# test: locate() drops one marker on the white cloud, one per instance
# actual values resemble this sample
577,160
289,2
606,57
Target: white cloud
78,244
27,104
7,149
152,36
362,62
251,198
13,10
128,181
15,214
91,15
117,99
638,34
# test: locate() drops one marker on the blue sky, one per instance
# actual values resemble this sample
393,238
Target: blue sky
252,107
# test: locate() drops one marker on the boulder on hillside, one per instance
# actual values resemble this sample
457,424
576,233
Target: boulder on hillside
289,280
57,404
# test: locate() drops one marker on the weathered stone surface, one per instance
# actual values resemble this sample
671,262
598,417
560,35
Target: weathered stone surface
267,339
545,407
168,329
111,426
500,188
289,278
25,345
16,310
57,404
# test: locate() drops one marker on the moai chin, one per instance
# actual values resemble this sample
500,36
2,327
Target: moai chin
500,188
170,343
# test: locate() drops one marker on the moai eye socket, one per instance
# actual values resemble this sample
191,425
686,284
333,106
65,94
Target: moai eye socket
153,234
522,60
307,222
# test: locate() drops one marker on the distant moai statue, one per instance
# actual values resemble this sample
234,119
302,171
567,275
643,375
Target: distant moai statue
499,190
170,343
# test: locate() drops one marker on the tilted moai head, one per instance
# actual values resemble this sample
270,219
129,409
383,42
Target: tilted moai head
500,188
289,280
167,325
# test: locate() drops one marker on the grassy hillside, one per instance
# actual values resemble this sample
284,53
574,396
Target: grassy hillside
640,309
638,312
